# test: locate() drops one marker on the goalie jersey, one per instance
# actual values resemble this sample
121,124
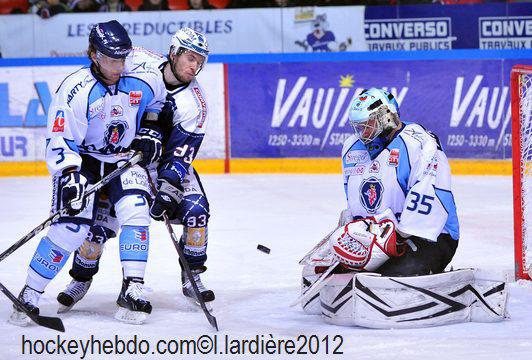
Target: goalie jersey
88,117
410,175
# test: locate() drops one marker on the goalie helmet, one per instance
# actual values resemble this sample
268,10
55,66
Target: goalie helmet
111,39
188,39
372,113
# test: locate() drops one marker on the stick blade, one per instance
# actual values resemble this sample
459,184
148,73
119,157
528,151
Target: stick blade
49,322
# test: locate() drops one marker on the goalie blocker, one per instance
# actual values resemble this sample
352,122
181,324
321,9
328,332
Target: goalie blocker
374,301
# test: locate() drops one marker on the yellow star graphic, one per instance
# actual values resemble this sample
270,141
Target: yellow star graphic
346,81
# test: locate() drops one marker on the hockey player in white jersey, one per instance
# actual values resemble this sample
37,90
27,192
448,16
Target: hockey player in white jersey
180,192
401,217
93,123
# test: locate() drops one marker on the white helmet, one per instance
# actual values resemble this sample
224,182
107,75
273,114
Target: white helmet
188,39
373,112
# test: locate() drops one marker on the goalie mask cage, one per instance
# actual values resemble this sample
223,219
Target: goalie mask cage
521,93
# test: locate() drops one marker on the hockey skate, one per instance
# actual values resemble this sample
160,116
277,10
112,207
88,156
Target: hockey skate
133,308
30,298
188,290
74,292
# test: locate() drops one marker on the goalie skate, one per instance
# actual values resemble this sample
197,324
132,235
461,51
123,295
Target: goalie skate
74,292
30,298
133,308
188,290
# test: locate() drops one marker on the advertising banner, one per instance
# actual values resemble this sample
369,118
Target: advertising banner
26,93
22,144
286,30
301,109
228,31
423,27
323,29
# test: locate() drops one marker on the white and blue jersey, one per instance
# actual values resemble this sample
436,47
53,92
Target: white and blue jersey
410,175
88,117
184,120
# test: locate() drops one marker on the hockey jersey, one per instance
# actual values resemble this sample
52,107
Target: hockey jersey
410,175
88,117
184,120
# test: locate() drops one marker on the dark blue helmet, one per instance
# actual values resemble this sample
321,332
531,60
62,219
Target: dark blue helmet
111,39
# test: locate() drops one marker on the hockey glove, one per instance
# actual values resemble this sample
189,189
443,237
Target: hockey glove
148,142
72,188
166,201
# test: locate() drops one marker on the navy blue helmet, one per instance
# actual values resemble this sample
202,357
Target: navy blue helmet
111,39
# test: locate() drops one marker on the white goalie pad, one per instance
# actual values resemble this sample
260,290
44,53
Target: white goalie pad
373,301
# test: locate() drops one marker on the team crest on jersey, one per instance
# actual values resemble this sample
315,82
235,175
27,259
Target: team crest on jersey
115,132
393,159
134,98
116,111
371,194
59,122
56,256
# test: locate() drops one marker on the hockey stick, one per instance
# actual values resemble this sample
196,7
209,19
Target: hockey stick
317,246
316,287
62,212
184,262
54,323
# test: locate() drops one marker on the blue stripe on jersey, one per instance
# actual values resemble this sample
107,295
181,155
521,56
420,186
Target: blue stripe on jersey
447,200
130,83
72,145
402,171
96,92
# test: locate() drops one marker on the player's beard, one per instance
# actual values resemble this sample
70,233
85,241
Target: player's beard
107,80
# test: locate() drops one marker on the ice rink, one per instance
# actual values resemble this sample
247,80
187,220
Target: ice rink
289,214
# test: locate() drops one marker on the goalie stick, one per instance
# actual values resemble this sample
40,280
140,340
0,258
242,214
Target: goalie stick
317,246
61,212
318,284
210,318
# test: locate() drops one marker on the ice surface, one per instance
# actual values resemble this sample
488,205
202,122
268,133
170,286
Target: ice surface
288,214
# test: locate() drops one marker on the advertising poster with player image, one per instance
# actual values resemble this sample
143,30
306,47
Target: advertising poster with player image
323,29
297,111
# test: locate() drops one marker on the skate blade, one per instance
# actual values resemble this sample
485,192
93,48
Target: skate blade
63,309
130,317
195,302
19,319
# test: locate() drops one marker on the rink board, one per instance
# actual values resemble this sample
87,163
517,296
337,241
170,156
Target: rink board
289,114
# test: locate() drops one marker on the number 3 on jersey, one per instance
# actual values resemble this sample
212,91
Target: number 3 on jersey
424,207
181,151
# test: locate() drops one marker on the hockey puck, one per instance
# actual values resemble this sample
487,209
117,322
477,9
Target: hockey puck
263,248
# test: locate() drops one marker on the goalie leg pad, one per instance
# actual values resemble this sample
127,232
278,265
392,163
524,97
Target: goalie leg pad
309,277
411,302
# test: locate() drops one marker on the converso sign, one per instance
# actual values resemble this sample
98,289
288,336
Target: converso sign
301,109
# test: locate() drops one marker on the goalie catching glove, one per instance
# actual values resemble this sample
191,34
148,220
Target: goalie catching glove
365,244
